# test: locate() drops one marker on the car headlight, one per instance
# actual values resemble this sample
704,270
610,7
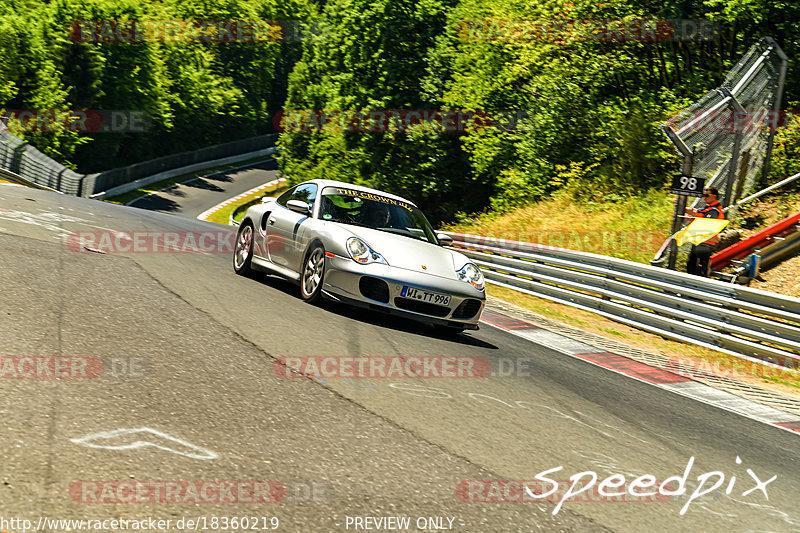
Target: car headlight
361,253
472,274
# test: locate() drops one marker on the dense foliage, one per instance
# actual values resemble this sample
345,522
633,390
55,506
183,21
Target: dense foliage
195,93
578,114
589,108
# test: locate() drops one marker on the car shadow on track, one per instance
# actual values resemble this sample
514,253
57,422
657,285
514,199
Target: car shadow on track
380,319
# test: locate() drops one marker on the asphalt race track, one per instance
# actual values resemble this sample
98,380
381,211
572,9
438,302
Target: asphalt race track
168,380
193,197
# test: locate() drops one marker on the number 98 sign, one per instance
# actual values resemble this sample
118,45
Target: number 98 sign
688,185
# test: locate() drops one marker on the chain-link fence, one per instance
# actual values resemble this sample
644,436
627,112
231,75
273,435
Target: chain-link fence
726,136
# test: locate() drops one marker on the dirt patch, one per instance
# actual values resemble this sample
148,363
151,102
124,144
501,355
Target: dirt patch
761,214
782,279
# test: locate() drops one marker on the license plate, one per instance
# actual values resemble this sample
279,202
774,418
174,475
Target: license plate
425,296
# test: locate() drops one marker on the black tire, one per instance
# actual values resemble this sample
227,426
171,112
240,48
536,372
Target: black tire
243,250
313,273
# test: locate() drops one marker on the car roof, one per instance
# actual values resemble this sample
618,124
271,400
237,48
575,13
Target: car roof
333,183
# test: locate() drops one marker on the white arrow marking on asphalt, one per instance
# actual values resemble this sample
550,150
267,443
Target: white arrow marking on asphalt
91,441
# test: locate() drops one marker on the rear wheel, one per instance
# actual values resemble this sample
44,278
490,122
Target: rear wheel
313,273
243,254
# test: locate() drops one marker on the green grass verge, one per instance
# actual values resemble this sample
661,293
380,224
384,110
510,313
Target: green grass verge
153,187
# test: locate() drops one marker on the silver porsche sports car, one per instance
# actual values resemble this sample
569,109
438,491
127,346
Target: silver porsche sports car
364,247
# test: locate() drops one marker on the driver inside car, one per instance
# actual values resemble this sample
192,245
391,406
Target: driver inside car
377,216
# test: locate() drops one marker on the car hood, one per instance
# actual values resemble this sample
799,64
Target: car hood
412,254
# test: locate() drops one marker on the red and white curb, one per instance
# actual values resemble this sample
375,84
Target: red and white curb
208,212
658,377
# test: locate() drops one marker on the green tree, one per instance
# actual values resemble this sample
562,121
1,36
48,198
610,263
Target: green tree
372,55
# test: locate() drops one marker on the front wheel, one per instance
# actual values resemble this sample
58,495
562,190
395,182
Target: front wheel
313,273
243,254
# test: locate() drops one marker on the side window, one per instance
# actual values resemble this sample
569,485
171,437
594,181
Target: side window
305,193
285,197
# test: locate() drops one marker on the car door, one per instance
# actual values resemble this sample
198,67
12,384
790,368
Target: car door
260,245
285,231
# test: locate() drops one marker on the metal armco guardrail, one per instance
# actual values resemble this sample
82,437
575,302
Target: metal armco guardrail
744,322
14,178
36,168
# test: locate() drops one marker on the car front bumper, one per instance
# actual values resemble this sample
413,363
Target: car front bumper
343,281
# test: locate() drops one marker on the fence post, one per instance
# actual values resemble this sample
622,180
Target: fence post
733,164
743,163
680,205
680,209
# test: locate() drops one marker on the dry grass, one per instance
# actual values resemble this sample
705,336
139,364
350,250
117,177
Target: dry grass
631,229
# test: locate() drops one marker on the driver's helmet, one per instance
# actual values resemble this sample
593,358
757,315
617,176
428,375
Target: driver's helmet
351,204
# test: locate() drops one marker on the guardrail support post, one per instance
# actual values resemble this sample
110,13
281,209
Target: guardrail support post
754,264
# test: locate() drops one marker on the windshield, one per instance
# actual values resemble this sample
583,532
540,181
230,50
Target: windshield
360,208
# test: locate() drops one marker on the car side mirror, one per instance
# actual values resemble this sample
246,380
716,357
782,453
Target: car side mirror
299,206
444,239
